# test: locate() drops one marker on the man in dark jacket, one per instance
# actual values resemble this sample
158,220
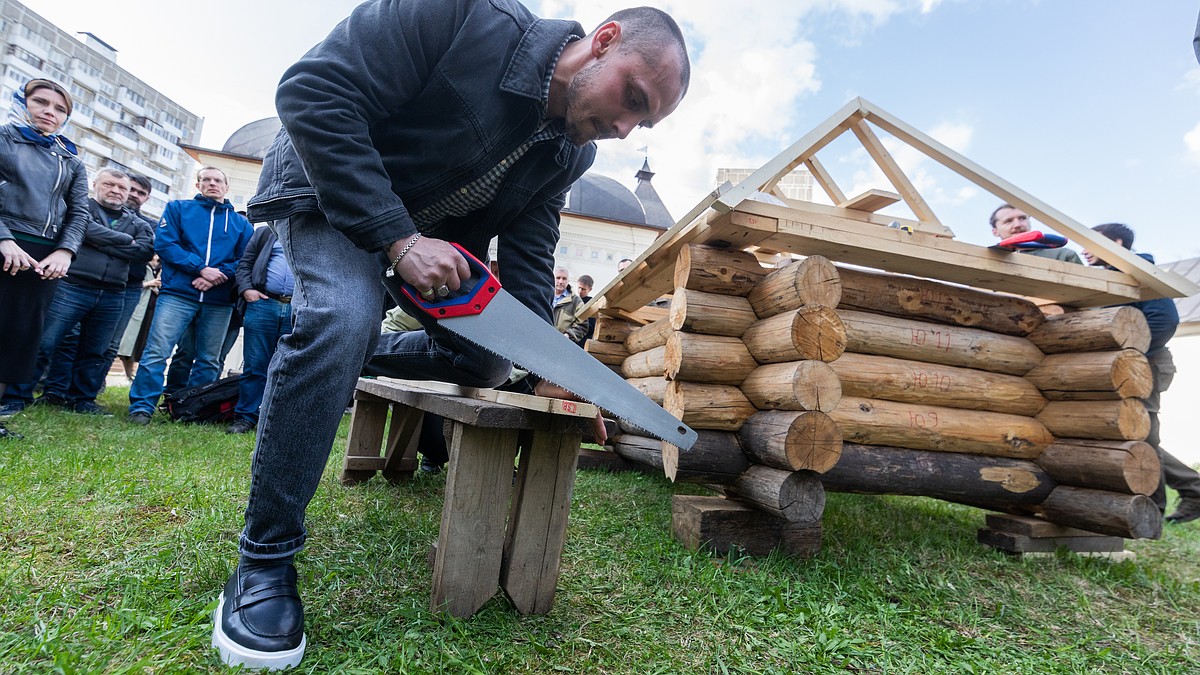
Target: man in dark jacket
1163,318
266,285
92,296
413,124
199,242
62,364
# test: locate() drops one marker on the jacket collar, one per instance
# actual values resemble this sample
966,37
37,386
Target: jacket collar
101,215
209,202
534,54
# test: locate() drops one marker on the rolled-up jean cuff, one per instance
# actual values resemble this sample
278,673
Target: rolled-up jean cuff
255,551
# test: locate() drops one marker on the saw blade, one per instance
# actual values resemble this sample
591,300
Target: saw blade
511,330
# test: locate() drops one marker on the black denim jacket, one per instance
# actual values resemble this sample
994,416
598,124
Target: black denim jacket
408,100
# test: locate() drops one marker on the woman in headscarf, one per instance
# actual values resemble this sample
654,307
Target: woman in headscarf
43,217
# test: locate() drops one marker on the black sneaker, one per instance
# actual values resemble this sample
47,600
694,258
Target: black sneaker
51,399
259,622
240,426
7,434
90,408
139,418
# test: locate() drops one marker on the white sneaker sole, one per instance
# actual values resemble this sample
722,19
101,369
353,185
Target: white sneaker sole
233,654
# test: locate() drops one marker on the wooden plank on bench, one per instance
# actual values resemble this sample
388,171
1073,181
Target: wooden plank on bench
537,524
466,567
556,406
471,411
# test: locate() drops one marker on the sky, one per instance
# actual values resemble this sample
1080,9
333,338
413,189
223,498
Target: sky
1093,106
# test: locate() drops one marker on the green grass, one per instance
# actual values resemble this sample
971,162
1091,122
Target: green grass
115,541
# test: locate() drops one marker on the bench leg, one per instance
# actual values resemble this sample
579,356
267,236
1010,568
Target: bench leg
365,438
466,567
537,525
404,434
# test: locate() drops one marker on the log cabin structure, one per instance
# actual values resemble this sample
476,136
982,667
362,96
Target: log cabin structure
886,357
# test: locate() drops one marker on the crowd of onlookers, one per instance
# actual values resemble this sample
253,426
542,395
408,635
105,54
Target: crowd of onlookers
88,280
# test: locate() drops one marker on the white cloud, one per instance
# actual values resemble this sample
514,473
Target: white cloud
1192,141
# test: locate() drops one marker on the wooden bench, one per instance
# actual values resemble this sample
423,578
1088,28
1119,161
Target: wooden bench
478,547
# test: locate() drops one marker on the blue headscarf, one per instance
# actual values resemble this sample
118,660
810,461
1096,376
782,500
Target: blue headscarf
18,116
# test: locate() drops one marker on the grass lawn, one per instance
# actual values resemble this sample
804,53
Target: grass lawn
116,539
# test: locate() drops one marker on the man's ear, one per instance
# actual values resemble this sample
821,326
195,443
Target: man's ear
606,38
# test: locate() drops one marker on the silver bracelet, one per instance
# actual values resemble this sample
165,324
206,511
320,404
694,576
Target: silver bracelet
396,261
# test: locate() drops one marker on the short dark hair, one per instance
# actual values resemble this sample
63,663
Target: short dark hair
586,280
1117,231
141,180
646,31
992,218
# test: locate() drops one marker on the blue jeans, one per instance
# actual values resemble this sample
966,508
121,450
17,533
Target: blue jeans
172,314
179,373
336,308
58,378
96,311
266,321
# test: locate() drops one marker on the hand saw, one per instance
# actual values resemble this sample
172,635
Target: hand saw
484,313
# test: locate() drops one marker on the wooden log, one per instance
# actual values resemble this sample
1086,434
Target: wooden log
997,483
796,496
926,427
640,450
936,301
1093,376
715,270
650,363
791,440
816,281
892,379
726,525
1123,420
708,358
799,385
1129,467
612,329
710,313
648,337
811,282
721,407
1119,515
810,333
655,388
1093,330
608,353
934,343
716,458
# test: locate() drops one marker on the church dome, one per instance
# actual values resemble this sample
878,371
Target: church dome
254,139
602,197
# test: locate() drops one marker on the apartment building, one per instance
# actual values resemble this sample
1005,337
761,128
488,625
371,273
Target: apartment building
117,120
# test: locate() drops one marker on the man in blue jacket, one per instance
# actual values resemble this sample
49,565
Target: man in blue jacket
199,242
416,123
1163,318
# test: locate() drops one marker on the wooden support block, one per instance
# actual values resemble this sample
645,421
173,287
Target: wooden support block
871,201
1019,543
466,569
365,439
1033,527
537,524
723,525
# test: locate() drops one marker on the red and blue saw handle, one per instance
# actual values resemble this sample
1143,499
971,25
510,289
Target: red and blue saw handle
472,297
1032,239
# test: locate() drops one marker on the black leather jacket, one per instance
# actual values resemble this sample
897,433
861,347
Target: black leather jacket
43,191
107,252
